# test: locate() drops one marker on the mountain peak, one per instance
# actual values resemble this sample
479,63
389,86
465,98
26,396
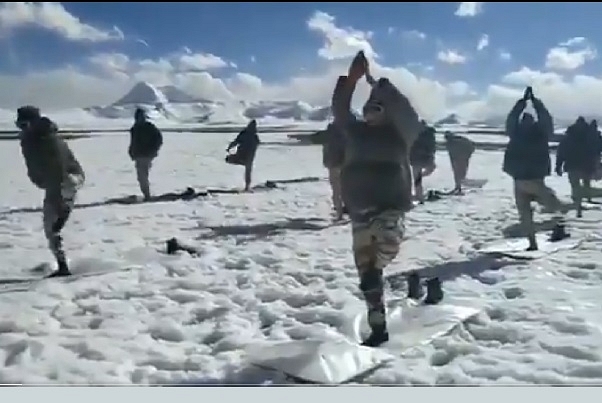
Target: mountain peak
142,93
451,119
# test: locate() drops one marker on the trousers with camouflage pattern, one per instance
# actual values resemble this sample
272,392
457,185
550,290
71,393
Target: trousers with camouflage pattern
376,243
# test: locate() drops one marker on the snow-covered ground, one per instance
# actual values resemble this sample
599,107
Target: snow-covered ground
183,319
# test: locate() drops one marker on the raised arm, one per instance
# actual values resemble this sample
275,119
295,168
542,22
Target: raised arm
343,92
341,101
512,119
544,118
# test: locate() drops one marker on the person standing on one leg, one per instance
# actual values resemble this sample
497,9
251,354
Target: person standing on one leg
576,155
376,180
333,155
51,166
145,142
246,144
527,161
460,149
422,159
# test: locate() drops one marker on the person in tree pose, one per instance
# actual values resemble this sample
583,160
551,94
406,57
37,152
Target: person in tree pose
527,161
460,149
376,180
51,166
246,144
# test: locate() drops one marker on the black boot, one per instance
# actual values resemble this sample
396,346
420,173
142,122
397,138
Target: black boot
415,290
434,291
62,271
378,336
172,246
372,287
559,233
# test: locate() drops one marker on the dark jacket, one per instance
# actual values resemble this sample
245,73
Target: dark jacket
459,147
48,157
527,155
423,151
246,142
376,174
333,148
579,150
145,140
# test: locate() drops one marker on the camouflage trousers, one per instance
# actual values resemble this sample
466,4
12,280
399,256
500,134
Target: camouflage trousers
528,191
56,212
376,243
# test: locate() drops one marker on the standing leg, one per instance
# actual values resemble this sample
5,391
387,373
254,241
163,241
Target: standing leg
371,282
457,176
248,173
418,189
587,188
463,162
334,177
576,191
143,166
56,211
522,199
375,246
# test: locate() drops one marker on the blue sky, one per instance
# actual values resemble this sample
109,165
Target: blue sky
274,42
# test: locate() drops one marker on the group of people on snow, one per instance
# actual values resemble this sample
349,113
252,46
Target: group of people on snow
376,166
380,158
52,166
422,161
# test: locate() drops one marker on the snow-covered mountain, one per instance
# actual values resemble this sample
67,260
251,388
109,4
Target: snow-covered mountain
452,119
170,103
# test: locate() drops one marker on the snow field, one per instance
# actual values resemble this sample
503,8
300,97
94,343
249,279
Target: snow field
184,319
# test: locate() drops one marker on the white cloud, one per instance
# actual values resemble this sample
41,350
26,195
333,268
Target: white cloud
342,42
414,34
504,55
105,77
571,54
202,61
578,40
483,42
451,57
469,9
525,77
53,17
390,30
459,89
143,42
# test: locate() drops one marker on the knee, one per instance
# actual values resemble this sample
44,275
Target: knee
371,280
